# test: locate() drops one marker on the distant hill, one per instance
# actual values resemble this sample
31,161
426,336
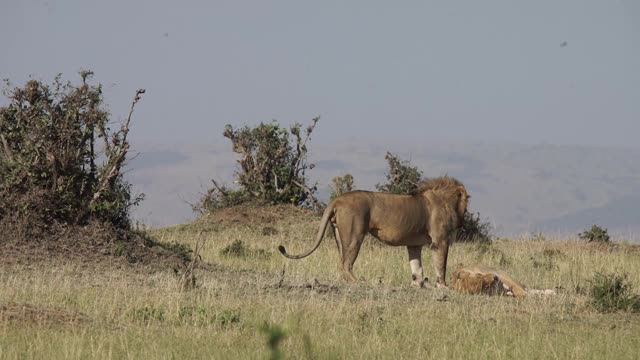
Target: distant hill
519,188
620,214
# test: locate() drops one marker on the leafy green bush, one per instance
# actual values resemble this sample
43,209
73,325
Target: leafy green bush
595,234
612,292
273,166
473,229
402,178
52,166
220,197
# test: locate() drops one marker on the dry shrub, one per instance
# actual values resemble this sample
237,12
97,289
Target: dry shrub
60,162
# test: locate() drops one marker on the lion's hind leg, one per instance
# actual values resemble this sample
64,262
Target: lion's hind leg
339,245
349,258
351,236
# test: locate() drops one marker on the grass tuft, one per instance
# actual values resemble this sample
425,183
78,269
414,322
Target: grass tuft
236,249
275,334
612,292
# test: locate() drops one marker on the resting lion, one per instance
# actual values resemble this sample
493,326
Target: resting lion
481,279
427,217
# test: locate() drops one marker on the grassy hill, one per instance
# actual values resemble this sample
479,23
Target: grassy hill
60,309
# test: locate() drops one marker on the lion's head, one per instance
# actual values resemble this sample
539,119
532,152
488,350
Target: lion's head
452,190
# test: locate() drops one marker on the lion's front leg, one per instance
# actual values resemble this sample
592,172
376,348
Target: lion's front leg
439,253
415,262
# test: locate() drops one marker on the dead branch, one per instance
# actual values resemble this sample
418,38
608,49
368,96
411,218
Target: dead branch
121,147
314,201
221,189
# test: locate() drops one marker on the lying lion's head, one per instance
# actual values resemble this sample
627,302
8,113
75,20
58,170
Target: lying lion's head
475,283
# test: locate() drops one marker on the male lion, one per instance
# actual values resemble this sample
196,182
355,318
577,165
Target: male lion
482,279
427,217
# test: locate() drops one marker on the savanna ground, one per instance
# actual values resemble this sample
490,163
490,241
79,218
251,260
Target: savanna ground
106,307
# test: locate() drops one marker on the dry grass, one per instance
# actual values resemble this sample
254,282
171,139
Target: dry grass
131,312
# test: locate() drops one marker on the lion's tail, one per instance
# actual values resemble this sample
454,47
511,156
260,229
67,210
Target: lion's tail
542,292
328,212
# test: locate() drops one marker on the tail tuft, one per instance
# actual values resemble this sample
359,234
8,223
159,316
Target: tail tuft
282,250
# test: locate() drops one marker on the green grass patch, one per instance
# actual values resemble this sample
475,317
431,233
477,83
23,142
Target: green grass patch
612,292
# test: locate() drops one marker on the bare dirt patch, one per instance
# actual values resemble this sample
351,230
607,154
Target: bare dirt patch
314,286
32,314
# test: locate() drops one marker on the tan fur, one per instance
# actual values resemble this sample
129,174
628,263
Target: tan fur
427,217
481,279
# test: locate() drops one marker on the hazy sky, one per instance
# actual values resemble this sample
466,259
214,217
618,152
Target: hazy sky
560,72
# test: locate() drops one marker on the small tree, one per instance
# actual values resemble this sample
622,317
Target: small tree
402,178
595,234
273,166
53,169
341,185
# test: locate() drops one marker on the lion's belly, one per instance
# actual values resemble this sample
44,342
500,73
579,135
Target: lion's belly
395,238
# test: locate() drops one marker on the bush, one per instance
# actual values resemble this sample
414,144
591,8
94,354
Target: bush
273,167
53,168
402,178
238,249
473,229
341,185
595,234
220,197
612,292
